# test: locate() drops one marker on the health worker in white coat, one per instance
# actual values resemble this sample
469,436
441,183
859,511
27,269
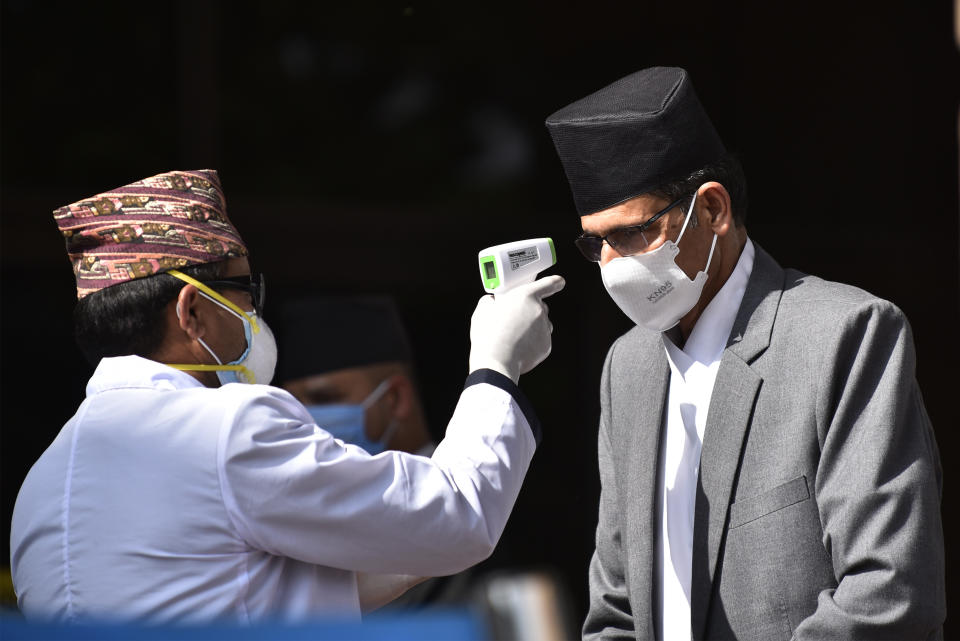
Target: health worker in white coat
187,489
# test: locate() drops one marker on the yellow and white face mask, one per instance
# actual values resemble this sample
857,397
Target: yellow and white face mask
258,361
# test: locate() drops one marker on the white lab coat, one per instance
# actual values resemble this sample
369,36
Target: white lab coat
165,500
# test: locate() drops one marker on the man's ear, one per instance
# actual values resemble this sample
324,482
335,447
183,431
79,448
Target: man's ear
188,314
714,200
401,394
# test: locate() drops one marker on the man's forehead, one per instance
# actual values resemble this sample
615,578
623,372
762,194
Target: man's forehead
344,385
630,212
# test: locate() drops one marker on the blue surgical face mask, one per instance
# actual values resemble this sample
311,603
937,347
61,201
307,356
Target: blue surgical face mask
347,421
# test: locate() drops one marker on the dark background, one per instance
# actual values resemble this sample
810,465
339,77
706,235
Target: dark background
375,147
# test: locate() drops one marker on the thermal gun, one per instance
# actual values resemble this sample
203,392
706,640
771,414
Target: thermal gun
503,267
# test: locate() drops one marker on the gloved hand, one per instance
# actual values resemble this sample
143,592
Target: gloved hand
510,334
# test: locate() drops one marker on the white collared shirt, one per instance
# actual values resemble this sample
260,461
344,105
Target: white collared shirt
165,500
693,371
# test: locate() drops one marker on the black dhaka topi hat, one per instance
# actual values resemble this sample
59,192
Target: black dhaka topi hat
632,136
319,334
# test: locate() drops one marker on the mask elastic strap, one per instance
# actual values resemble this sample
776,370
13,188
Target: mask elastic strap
712,246
214,296
219,367
375,395
372,398
210,351
214,368
687,219
388,433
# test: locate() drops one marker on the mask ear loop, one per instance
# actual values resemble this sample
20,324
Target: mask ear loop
187,367
687,219
236,311
389,432
214,296
368,402
375,395
219,367
710,257
713,245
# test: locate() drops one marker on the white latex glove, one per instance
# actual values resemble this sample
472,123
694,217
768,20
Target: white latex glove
510,334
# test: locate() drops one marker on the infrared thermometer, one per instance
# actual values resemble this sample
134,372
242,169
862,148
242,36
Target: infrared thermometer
503,267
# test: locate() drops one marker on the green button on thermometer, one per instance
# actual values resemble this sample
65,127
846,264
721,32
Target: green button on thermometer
503,267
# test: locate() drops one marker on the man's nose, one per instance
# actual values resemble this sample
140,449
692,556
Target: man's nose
607,253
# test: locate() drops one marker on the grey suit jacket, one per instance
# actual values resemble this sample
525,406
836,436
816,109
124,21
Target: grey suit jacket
818,499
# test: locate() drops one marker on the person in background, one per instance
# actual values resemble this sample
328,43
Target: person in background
187,489
767,467
348,360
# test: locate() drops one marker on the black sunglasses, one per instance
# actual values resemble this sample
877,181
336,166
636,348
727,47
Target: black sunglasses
253,284
626,240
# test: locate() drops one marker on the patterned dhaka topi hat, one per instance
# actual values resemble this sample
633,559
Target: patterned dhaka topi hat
169,221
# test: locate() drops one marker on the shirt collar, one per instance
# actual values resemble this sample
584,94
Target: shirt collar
119,372
709,336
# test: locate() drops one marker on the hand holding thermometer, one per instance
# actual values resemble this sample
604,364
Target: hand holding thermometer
512,334
503,267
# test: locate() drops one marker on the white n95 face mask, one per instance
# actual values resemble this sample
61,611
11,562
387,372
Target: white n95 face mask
257,363
650,288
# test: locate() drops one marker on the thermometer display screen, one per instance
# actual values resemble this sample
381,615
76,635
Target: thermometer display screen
490,269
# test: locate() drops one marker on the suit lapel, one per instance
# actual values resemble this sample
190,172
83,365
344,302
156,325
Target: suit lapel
643,382
728,420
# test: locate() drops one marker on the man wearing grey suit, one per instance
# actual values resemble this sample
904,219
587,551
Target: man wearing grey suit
768,470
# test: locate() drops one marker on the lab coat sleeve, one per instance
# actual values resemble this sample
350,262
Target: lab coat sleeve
293,490
878,488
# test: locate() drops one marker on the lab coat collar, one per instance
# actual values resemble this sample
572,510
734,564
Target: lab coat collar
119,372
